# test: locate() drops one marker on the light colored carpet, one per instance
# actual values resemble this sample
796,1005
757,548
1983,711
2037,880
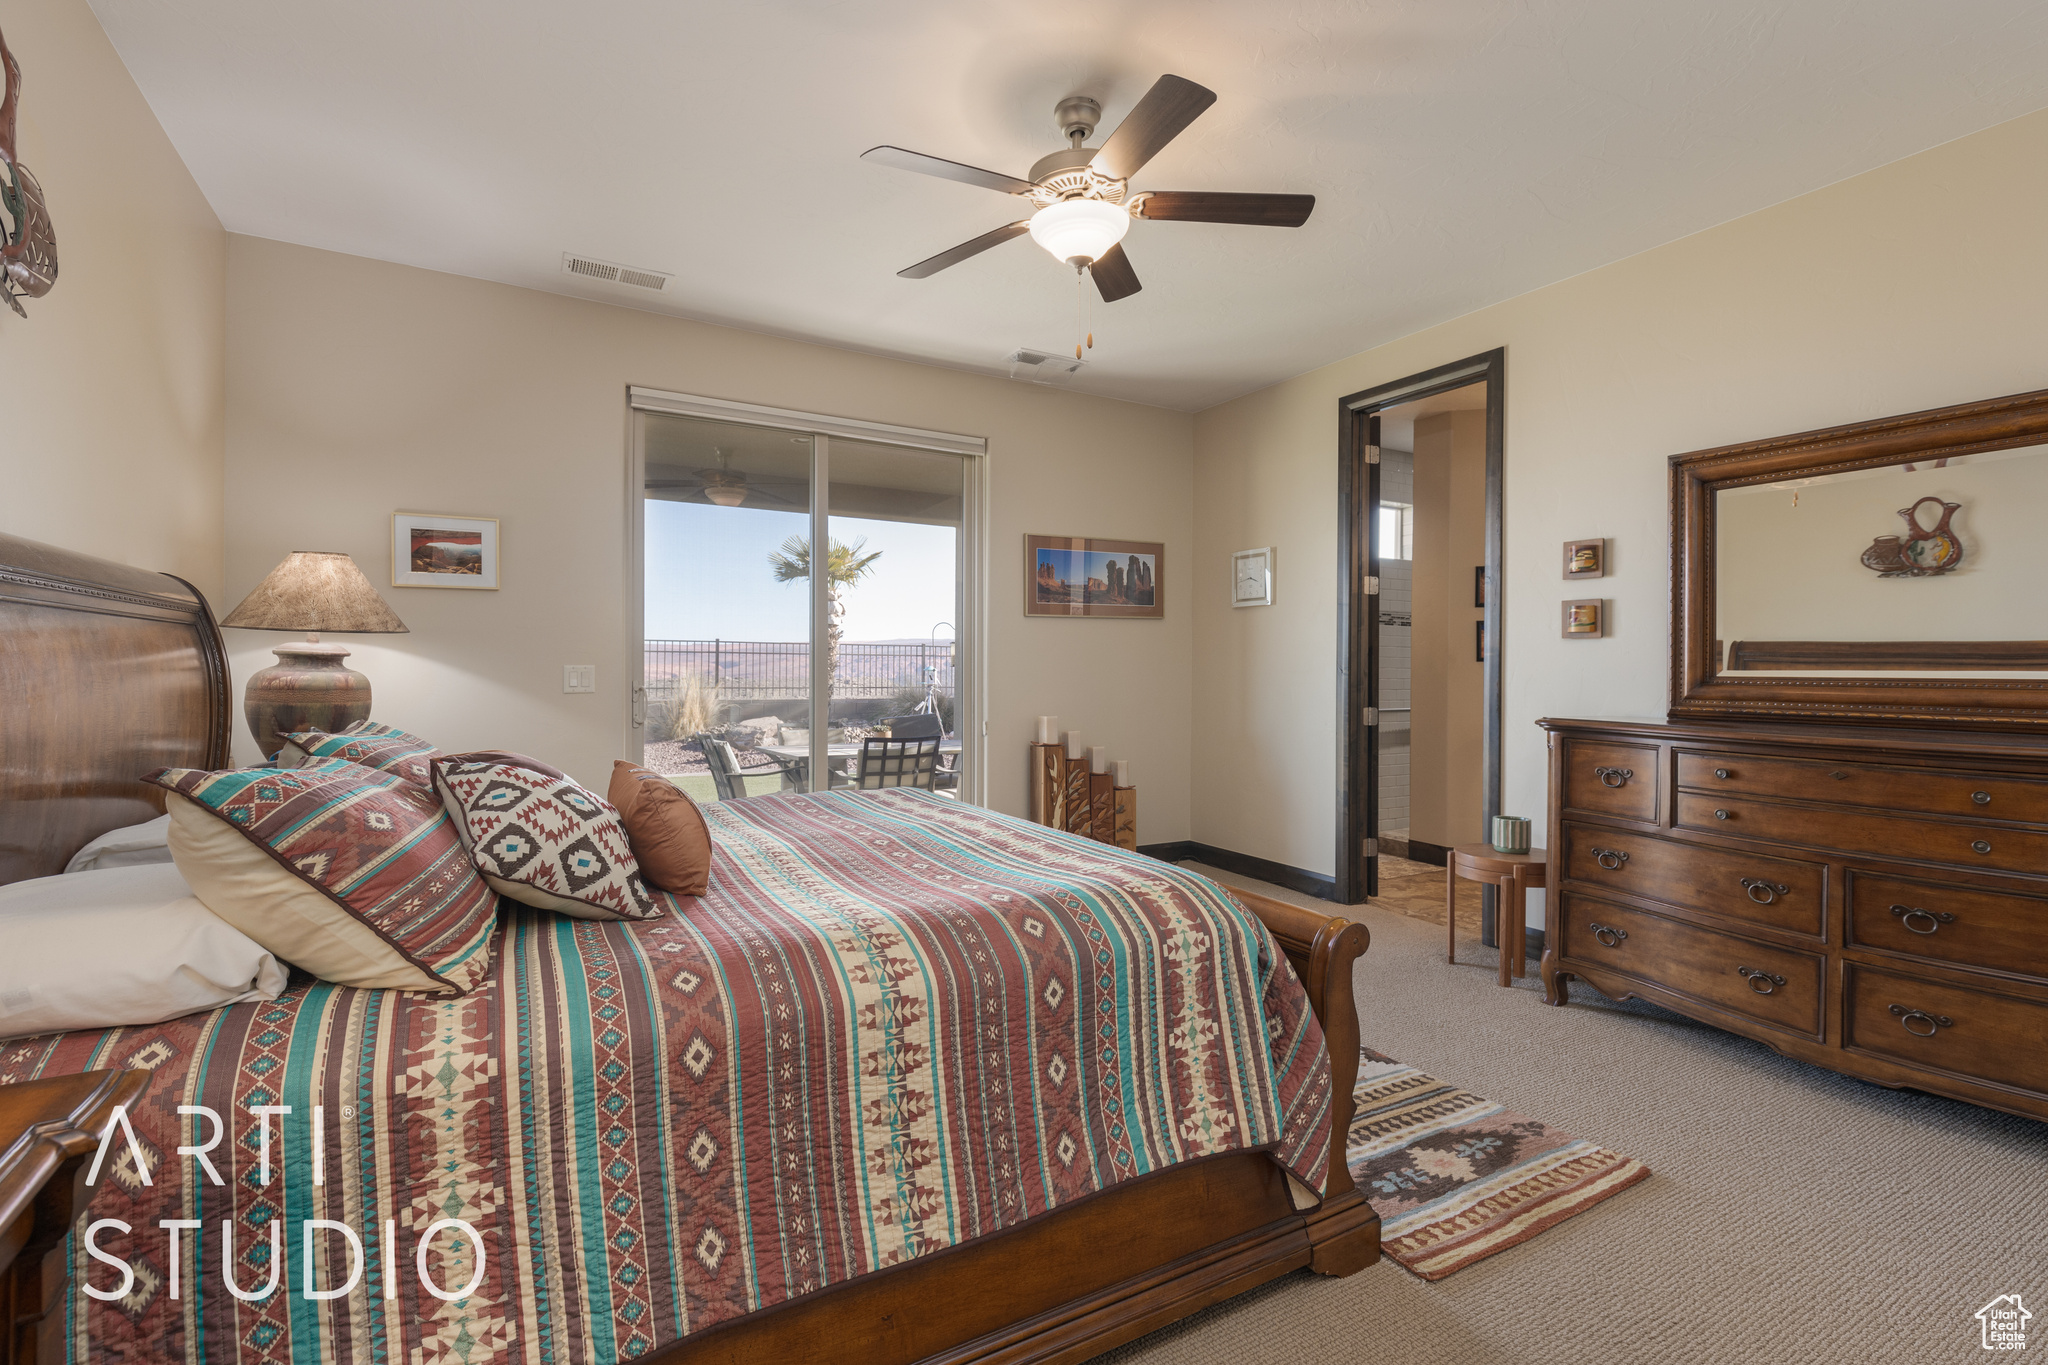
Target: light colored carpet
1792,1215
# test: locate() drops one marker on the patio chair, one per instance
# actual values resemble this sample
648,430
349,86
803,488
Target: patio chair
898,762
727,777
946,772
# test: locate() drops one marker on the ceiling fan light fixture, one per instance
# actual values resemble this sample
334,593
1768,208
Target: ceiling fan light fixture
1079,229
726,494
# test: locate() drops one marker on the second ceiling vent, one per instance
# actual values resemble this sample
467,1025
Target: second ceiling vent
613,273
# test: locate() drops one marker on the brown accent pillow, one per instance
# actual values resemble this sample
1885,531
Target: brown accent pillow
669,837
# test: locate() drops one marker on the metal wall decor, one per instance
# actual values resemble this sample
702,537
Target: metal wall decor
28,260
1924,552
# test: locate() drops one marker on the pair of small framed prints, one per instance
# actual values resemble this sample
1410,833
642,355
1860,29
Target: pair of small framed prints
1585,619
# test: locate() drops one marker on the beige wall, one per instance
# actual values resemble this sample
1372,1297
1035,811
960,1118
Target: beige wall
1447,682
1915,285
358,388
111,390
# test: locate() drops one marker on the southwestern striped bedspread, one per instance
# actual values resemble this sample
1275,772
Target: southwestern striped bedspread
893,1024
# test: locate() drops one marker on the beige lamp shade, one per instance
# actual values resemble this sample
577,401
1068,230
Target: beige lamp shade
315,590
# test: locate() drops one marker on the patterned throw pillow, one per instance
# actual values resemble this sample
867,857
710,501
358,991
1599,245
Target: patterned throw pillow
357,876
373,746
543,840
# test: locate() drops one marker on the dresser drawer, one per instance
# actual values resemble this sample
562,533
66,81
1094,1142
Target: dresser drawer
1982,1034
1774,985
1863,784
1611,779
1963,925
1934,841
1747,886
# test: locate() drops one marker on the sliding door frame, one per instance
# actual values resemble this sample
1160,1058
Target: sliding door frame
970,636
1358,602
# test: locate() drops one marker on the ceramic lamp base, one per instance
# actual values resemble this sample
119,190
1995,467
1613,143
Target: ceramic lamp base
308,688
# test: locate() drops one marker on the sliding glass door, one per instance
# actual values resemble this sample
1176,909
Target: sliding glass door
765,664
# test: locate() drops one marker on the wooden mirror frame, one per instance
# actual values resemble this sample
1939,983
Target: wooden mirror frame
1699,691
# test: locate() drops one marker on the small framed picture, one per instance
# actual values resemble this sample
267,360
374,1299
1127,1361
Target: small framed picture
1479,585
1585,559
1251,578
1479,641
439,550
1585,619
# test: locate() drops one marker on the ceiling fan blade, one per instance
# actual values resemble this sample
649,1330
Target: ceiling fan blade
1114,278
1169,106
932,265
1202,206
945,170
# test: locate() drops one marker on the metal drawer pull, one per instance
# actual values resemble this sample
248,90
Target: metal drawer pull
1935,1022
1982,846
1721,773
1981,798
1838,775
1763,983
1720,815
1614,777
1935,918
1610,858
1607,935
1771,890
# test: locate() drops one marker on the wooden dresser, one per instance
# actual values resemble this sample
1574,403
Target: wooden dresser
1870,900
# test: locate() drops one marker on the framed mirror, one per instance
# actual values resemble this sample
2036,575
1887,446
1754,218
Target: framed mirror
1888,572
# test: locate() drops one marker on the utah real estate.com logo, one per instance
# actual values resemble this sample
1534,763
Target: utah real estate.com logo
2005,1323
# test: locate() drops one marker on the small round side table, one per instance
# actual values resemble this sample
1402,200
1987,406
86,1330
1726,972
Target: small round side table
1514,874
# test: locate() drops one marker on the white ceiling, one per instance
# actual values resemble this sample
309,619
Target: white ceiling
1462,151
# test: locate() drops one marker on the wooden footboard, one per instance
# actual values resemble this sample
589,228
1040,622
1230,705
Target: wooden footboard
1323,948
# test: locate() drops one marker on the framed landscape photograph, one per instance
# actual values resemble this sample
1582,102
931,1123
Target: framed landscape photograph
1076,576
437,550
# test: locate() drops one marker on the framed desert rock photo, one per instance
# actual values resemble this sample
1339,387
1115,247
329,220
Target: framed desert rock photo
437,550
1076,576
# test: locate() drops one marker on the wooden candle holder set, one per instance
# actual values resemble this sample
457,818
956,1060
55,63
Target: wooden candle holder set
1066,794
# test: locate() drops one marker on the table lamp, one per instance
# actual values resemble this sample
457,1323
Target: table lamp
309,688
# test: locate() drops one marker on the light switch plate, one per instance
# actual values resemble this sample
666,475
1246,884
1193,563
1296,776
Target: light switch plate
579,677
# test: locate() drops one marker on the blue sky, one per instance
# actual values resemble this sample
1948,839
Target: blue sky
708,576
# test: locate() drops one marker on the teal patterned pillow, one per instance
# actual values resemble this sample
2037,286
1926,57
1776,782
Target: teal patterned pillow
367,743
355,875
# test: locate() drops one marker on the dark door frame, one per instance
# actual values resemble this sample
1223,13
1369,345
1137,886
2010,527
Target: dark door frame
1358,611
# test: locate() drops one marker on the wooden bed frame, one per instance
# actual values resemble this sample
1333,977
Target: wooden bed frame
110,671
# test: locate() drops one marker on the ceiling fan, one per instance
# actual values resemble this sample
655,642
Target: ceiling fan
1085,203
724,486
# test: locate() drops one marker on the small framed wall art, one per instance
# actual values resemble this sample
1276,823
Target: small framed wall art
1585,619
1585,559
1251,578
1078,576
438,550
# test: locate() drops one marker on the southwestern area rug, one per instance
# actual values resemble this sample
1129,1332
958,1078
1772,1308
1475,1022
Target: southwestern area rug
1456,1178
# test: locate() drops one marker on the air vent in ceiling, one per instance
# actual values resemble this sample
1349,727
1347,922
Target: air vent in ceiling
1041,367
613,273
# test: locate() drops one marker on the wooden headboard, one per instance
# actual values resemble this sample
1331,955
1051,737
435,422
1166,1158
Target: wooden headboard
105,673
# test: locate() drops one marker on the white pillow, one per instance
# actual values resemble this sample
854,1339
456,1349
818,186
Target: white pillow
128,846
124,945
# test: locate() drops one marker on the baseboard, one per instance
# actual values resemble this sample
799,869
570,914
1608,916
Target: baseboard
1393,848
1245,865
1436,855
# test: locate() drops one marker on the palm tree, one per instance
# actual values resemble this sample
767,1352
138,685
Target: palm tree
845,566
